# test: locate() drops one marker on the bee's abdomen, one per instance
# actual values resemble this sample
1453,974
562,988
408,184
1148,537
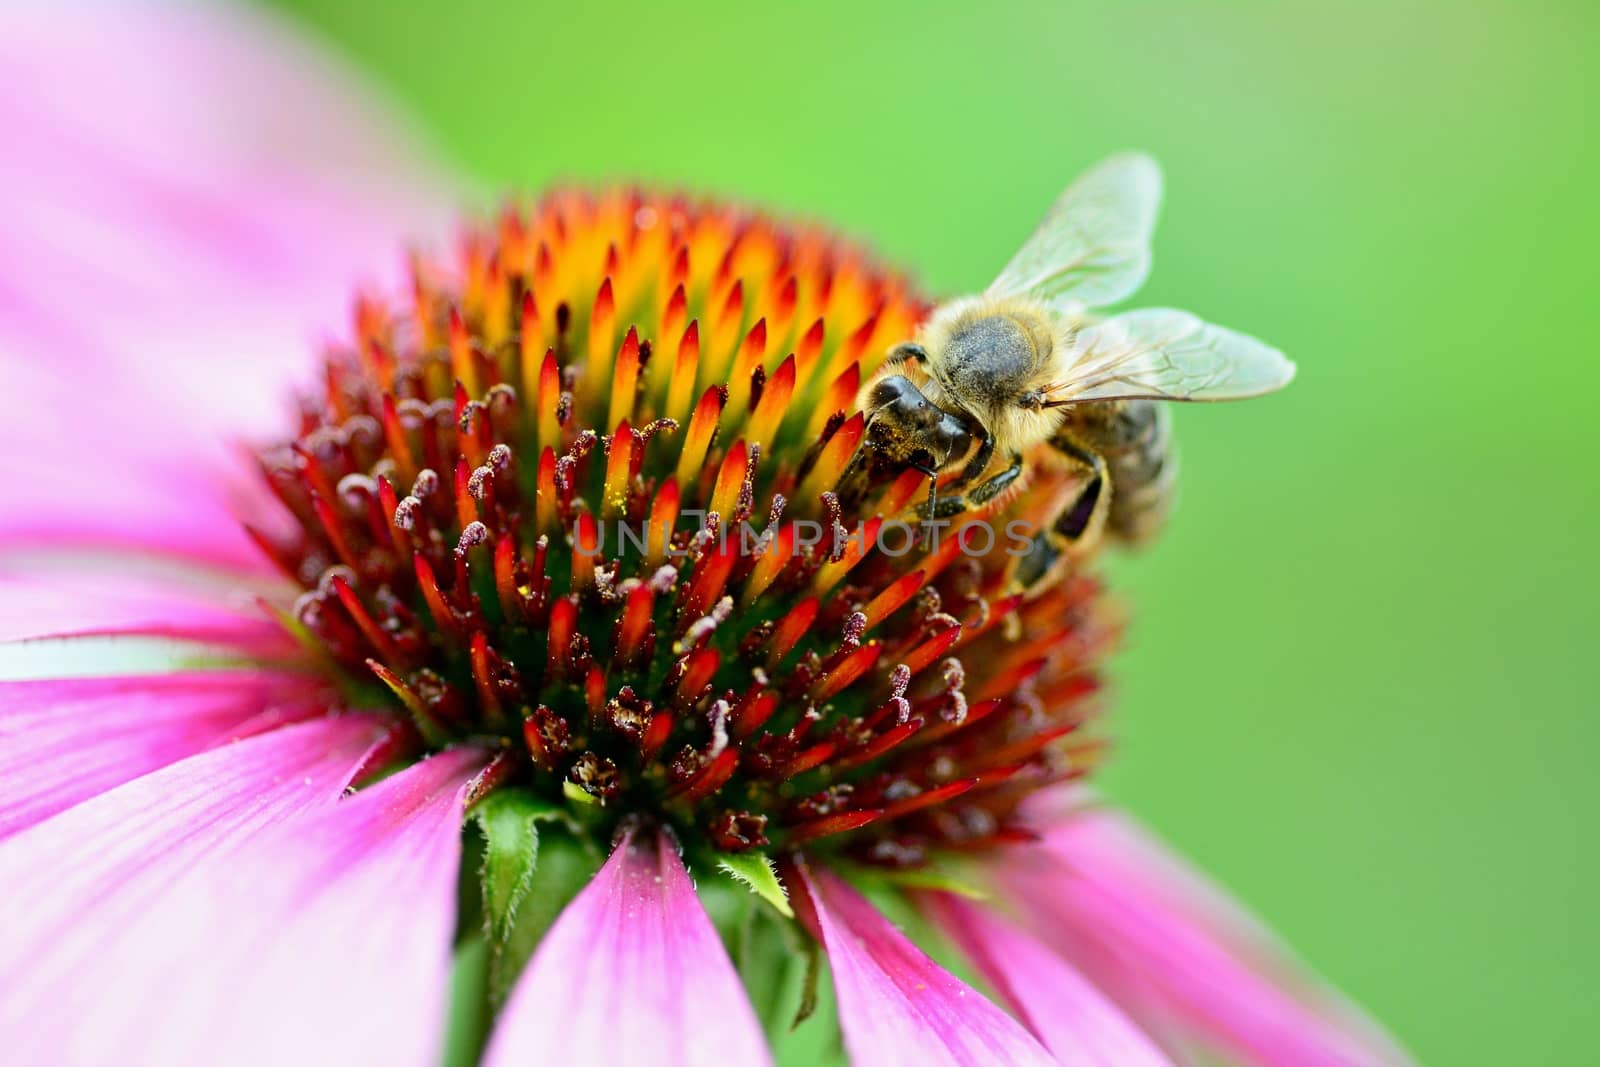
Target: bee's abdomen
1137,448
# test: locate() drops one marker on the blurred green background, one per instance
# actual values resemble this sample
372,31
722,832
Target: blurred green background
1359,681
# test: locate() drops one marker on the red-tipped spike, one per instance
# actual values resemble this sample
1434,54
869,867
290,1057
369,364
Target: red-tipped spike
432,730
856,345
730,480
585,548
841,394
483,675
680,394
500,769
878,746
892,598
791,628
679,273
335,530
774,404
910,486
663,520
856,547
443,617
388,503
811,758
530,343
625,380
808,350
602,338
1017,751
673,316
394,435
776,555
829,825
697,439
547,403
619,466
726,325
712,777
563,624
496,304
699,667
788,297
710,577
754,715
751,353
927,799
656,734
505,581
834,459
947,546
676,311
1006,681
634,630
846,671
381,642
594,691
466,507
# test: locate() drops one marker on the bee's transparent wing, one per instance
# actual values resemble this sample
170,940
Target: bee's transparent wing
1093,246
1162,354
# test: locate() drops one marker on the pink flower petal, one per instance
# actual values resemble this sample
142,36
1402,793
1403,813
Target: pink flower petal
895,1004
167,251
324,938
58,596
72,883
631,972
63,741
1077,1022
1152,930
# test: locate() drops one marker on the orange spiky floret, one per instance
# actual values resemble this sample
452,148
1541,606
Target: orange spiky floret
597,498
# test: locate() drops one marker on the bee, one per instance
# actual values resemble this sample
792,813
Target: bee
991,378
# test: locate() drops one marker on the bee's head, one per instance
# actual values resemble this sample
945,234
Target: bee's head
905,423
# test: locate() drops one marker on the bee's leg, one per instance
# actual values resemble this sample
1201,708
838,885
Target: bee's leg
1081,522
955,505
980,494
987,490
944,507
906,352
1039,560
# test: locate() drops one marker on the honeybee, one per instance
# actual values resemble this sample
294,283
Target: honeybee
1026,363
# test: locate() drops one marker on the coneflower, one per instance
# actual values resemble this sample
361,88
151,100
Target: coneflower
583,667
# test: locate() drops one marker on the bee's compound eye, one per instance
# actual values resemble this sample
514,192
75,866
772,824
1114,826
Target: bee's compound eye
892,390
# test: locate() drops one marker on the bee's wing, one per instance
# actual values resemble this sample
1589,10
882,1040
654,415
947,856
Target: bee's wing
1093,246
1162,354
